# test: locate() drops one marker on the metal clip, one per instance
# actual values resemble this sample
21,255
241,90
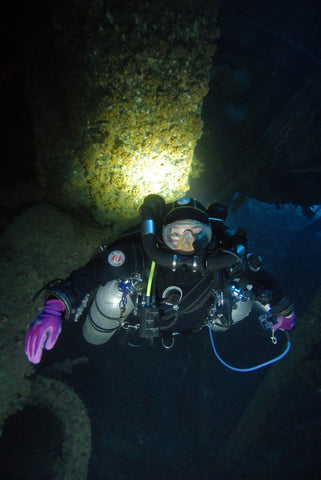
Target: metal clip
273,338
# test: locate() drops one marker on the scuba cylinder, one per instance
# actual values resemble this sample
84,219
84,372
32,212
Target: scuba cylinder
231,305
107,312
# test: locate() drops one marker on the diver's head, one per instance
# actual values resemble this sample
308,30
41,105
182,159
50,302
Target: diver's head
185,222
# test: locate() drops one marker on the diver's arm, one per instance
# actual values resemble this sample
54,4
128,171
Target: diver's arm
116,262
267,290
74,290
64,299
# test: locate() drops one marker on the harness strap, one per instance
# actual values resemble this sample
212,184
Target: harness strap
193,300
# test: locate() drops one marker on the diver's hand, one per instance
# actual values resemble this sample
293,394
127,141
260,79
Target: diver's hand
44,331
285,323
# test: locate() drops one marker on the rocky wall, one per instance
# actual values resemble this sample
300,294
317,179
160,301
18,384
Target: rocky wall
116,93
283,164
41,244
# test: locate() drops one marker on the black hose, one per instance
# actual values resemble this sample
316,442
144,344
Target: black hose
171,323
223,259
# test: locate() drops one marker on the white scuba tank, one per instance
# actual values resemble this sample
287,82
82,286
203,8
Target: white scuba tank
242,307
240,311
104,314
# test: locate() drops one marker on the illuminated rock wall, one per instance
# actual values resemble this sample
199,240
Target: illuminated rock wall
117,100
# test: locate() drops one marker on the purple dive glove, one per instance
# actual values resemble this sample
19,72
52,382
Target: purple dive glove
285,323
44,331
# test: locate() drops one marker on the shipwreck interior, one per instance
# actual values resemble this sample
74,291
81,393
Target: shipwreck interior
103,103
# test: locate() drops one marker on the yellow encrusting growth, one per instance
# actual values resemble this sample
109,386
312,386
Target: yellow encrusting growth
130,112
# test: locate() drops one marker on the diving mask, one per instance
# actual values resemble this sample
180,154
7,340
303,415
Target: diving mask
181,235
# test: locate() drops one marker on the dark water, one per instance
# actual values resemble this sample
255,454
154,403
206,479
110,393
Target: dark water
157,413
165,414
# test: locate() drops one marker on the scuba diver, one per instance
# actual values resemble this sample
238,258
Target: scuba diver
180,270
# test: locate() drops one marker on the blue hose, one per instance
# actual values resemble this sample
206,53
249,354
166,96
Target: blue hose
256,367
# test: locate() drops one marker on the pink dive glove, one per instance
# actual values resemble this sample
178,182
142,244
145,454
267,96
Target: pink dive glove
284,323
44,331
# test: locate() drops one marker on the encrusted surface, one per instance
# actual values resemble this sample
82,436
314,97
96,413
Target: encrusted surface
123,115
39,245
